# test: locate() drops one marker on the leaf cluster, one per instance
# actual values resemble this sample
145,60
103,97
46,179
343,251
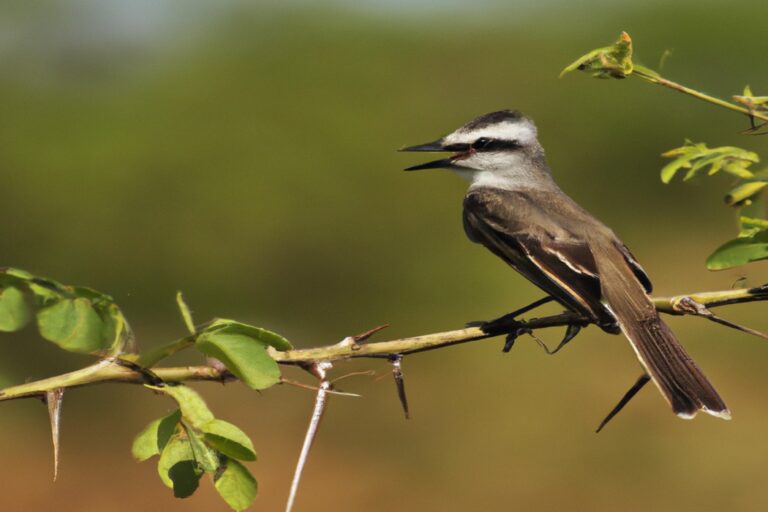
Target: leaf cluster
751,244
76,319
190,442
615,61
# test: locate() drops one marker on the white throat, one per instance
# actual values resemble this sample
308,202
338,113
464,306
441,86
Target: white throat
508,179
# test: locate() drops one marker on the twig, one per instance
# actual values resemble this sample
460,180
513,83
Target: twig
108,371
321,399
657,79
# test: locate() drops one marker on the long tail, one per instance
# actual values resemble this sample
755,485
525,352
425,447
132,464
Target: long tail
673,371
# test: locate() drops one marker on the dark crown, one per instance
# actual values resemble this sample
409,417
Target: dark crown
494,118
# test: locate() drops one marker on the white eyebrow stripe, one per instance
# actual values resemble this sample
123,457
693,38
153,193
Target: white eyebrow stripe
523,132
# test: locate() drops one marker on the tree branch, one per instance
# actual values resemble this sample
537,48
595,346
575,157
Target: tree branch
111,370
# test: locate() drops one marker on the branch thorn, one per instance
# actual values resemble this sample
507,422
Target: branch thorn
397,372
318,369
53,400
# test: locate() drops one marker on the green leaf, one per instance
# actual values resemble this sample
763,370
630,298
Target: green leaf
613,61
74,325
739,252
696,157
244,356
668,171
193,407
236,485
176,450
185,476
186,313
738,195
229,440
738,169
18,273
263,335
752,222
155,436
14,310
205,456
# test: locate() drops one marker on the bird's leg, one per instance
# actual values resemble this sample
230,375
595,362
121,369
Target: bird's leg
507,323
637,386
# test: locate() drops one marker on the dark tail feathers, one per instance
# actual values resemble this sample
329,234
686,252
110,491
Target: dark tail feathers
673,371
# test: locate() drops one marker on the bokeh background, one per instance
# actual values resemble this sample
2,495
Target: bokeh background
244,152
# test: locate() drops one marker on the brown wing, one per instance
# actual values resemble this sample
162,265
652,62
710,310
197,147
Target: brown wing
511,225
637,269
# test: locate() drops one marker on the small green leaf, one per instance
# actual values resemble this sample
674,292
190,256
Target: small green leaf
752,222
155,436
185,476
18,273
205,456
176,450
743,192
236,486
186,313
193,407
14,310
94,296
244,356
265,336
74,325
696,157
738,169
668,171
739,252
229,440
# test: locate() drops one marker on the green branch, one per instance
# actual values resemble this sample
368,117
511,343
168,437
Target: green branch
113,370
615,61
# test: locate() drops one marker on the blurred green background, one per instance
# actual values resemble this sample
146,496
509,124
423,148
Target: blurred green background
245,153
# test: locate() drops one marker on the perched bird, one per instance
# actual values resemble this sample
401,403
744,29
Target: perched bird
515,209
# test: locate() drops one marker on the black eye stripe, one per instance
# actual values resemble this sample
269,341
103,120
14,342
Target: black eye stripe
485,144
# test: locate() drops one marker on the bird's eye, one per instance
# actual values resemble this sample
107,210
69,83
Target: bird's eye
481,143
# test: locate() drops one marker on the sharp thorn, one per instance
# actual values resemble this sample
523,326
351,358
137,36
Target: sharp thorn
397,373
321,399
367,334
53,400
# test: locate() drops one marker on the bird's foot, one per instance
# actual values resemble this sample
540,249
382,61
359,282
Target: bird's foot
507,323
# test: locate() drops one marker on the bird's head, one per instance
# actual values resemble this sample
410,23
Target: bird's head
492,143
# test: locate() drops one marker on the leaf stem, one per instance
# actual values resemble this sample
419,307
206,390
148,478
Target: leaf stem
658,79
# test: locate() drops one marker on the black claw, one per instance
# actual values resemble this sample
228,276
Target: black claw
512,337
508,322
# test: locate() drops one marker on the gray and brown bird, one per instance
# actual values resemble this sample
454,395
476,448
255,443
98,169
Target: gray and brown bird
515,209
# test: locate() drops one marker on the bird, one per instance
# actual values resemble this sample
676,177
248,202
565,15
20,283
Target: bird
515,209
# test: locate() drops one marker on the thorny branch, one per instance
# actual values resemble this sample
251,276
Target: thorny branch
318,361
109,370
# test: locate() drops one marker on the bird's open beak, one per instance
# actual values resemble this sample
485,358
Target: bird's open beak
435,147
